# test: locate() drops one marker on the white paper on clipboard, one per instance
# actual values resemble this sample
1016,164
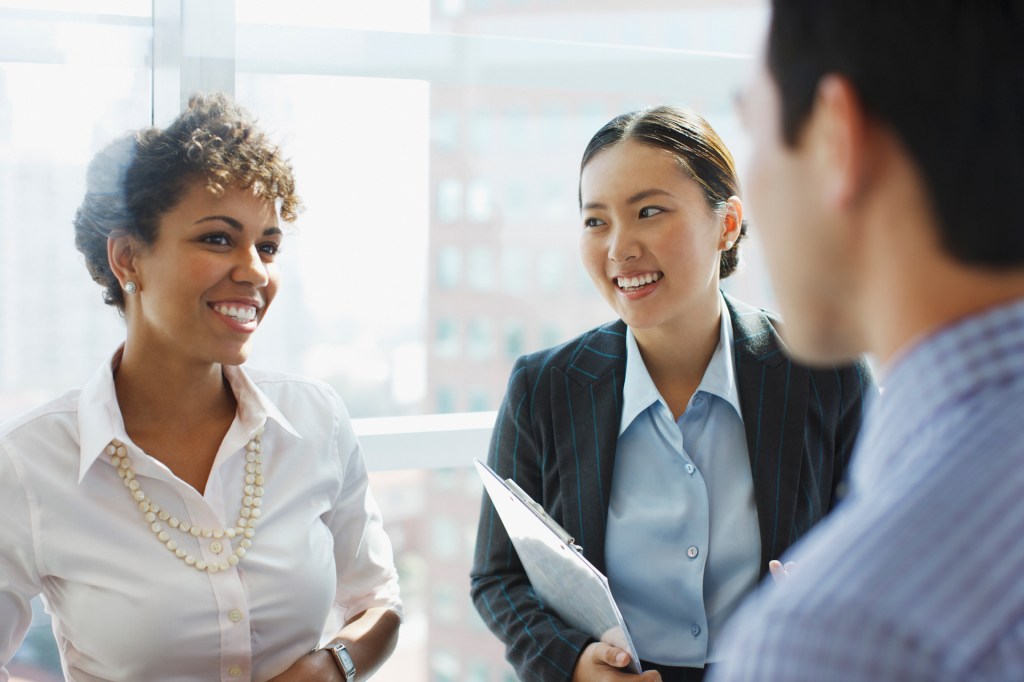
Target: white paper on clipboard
561,576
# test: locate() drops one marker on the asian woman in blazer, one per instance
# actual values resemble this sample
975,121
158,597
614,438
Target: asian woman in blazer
679,445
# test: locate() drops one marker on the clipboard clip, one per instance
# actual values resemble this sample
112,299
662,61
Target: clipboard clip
537,509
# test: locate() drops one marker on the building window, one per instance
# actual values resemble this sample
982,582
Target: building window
551,271
444,666
444,130
445,533
478,672
551,335
449,267
515,341
449,201
446,607
445,398
480,269
480,338
478,202
515,270
446,342
479,401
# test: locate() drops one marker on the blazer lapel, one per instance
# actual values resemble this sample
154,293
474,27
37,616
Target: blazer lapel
587,395
773,397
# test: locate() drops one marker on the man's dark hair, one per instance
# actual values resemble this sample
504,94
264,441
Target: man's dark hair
947,77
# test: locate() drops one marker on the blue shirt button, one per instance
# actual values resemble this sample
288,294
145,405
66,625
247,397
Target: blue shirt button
692,551
695,629
690,469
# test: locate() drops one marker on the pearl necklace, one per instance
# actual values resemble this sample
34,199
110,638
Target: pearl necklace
245,527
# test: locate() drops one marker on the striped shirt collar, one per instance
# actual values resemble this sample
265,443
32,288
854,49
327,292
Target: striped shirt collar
940,371
639,391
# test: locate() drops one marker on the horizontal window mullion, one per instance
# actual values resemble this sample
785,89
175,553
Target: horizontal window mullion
487,61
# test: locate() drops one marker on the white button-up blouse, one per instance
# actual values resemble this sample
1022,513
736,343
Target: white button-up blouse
124,607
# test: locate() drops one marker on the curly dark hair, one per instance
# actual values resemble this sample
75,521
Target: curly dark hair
701,154
139,177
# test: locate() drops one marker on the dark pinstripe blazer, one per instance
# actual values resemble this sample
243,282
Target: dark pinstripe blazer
556,435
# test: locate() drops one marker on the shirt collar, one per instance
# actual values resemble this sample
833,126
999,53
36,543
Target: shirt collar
639,391
100,420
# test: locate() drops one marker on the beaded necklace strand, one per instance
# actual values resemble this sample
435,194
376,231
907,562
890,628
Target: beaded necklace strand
244,528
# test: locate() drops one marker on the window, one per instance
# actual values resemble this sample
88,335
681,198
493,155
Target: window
514,339
437,145
446,609
480,271
480,338
449,267
447,342
551,271
479,206
515,270
449,200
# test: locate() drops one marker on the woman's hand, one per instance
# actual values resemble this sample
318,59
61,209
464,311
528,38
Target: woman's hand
601,662
781,572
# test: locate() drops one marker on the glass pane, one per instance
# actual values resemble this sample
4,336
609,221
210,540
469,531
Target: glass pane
380,15
67,87
720,26
72,76
136,8
431,516
416,247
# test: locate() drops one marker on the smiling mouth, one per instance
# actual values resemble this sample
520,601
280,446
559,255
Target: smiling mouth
243,314
630,284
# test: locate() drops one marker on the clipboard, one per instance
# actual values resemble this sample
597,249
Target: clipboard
559,573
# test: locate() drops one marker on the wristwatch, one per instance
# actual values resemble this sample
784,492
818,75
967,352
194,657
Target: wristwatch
344,660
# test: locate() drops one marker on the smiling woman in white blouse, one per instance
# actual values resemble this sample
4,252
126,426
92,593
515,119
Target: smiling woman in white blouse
186,519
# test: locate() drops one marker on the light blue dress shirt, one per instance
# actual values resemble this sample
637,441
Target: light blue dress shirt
683,545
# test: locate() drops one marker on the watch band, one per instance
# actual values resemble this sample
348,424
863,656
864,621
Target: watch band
344,660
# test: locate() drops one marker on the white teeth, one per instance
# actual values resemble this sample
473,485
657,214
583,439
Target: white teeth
243,314
637,282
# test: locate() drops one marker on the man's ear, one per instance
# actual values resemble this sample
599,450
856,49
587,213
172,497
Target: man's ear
838,133
121,253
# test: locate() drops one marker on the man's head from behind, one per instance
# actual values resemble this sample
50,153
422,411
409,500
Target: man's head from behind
872,119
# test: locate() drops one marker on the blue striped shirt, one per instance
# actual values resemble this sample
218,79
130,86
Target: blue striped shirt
919,574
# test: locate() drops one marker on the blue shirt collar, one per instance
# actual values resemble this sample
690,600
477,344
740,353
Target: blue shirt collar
639,391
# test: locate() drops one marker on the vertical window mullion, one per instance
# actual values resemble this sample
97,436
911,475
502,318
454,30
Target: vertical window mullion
193,51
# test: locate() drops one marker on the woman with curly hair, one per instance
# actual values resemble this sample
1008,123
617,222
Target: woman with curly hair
185,518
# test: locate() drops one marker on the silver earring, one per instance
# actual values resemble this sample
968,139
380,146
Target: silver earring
130,288
728,245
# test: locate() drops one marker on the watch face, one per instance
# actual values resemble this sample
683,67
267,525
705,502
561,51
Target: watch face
345,662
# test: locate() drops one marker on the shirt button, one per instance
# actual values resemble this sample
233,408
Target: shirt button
236,671
216,547
690,469
695,629
235,615
692,551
